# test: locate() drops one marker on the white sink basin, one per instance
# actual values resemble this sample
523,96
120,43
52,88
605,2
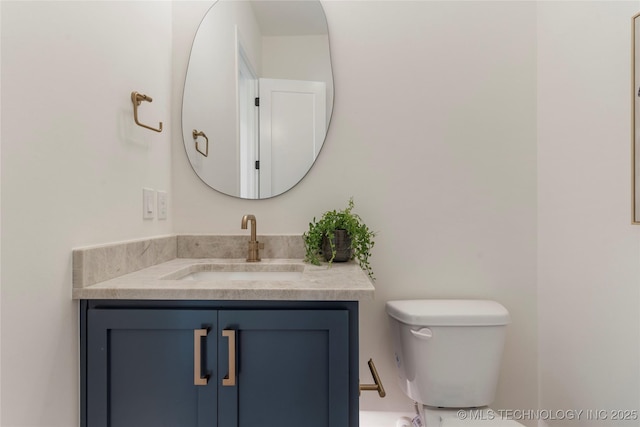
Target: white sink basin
259,272
244,275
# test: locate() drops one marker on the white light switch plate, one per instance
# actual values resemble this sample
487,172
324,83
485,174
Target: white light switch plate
148,203
162,204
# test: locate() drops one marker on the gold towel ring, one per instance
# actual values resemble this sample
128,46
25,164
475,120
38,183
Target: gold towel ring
196,134
137,99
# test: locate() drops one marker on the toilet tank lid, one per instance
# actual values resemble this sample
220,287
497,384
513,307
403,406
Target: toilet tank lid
448,312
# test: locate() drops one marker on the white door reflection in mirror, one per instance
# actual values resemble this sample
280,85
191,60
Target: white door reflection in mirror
292,130
248,127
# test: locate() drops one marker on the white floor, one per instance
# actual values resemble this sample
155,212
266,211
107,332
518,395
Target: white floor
403,419
385,419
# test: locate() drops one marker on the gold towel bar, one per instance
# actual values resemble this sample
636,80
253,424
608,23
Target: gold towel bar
196,134
137,99
376,379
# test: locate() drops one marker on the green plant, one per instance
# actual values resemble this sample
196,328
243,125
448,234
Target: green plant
361,237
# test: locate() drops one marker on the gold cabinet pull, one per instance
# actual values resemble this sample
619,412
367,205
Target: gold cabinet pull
196,134
377,386
230,379
198,379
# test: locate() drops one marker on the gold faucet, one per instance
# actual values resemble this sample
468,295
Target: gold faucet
253,253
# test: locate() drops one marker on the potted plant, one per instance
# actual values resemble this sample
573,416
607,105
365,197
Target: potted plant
339,236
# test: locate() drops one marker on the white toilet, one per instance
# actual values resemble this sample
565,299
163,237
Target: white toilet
448,355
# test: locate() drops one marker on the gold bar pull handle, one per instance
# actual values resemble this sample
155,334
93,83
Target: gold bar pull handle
376,379
137,99
198,379
230,379
196,134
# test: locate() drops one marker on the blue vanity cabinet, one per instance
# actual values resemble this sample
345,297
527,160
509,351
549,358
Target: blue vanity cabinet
292,368
261,363
140,368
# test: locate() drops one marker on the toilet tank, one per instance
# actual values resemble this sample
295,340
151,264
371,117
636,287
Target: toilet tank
448,352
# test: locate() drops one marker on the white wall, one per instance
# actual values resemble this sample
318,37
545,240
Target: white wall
0,224
588,253
73,168
434,134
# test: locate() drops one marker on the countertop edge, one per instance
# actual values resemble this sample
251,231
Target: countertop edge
150,284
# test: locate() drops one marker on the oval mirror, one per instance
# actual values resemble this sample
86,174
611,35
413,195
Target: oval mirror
258,95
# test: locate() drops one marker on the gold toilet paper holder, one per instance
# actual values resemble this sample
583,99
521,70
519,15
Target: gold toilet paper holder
377,386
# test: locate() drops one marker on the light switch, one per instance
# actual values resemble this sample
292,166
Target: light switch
162,204
148,203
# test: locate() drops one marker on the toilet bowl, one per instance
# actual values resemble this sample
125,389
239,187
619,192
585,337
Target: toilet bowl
448,354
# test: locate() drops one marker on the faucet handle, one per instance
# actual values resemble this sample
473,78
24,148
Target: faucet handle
256,245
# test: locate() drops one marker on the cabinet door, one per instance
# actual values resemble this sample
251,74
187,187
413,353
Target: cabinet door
292,368
142,367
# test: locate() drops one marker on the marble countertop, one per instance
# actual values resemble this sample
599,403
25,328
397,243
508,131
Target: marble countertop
338,282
